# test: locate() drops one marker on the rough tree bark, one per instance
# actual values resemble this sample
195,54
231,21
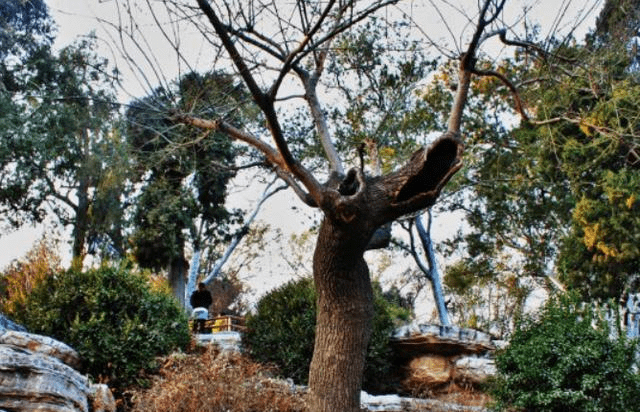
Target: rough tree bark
343,287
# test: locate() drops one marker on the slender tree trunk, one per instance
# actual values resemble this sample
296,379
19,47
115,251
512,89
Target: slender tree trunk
343,324
192,277
434,273
81,226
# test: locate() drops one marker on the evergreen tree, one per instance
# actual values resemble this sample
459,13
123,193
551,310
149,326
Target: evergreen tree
558,193
184,173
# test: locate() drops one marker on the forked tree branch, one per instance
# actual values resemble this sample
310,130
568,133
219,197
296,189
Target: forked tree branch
266,104
468,61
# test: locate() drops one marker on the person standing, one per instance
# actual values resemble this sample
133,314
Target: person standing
200,302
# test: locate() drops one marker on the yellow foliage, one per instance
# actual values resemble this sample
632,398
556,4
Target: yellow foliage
607,250
631,201
159,283
22,276
591,235
585,129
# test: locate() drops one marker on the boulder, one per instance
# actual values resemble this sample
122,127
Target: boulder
417,339
434,356
38,373
474,369
430,370
41,344
36,382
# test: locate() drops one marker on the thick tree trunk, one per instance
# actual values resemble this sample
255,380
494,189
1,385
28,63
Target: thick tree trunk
343,287
343,325
177,276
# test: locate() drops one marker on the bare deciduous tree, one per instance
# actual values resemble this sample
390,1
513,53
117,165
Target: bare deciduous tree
271,44
354,205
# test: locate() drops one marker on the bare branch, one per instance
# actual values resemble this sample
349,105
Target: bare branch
468,61
302,195
239,62
414,252
286,159
289,62
272,155
512,88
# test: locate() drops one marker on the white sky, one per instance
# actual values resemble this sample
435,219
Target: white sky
76,18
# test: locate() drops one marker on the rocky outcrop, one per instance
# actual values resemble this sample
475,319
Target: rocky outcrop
435,356
38,373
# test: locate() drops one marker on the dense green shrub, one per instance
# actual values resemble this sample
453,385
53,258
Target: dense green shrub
111,316
561,363
282,332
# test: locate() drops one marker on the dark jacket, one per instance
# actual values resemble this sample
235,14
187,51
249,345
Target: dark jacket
201,299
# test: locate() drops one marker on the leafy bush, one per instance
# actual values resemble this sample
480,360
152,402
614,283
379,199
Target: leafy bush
111,316
282,332
560,362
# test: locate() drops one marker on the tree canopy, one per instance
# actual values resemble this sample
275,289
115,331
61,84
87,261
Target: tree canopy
559,190
60,143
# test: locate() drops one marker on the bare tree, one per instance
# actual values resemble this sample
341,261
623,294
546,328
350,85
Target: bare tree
354,205
272,45
427,265
216,270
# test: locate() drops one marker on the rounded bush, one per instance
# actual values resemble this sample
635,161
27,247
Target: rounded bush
561,363
112,316
282,332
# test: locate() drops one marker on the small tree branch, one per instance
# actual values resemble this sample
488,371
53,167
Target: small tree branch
272,155
512,88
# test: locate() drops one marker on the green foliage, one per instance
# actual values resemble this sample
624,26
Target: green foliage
282,332
184,170
559,193
618,20
59,147
24,27
111,316
282,329
561,363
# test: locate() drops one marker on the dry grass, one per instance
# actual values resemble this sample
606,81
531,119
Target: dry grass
211,381
216,382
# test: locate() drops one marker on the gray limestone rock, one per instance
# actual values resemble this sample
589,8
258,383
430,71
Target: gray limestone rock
38,373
